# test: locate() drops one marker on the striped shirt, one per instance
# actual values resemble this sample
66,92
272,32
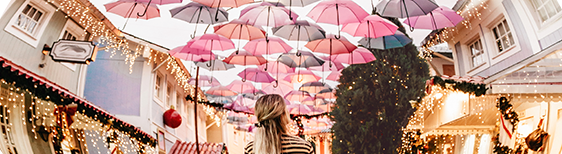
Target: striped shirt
289,145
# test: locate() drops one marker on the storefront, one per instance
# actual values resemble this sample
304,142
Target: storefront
58,121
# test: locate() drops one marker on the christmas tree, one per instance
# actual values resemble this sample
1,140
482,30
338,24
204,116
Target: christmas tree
374,100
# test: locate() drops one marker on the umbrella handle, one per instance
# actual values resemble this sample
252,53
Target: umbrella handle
298,54
145,9
209,65
276,84
217,13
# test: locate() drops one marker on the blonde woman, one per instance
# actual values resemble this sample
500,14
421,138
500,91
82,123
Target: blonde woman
271,132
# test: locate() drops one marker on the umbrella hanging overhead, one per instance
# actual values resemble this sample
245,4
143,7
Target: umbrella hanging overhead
315,101
212,42
160,2
199,14
187,53
237,29
301,30
334,76
281,88
267,45
133,9
337,12
328,93
326,67
358,56
215,65
220,91
297,95
244,58
224,3
313,87
439,18
276,67
267,14
372,26
299,3
205,81
303,76
405,8
240,86
300,109
256,75
331,46
386,42
302,59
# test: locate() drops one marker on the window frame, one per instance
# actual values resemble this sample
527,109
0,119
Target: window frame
508,32
34,37
169,95
471,54
180,103
158,92
537,13
74,29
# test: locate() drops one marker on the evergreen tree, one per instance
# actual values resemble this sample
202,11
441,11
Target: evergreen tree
373,104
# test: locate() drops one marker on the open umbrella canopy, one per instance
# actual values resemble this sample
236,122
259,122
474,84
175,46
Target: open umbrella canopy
212,42
220,91
301,30
405,8
198,13
397,40
358,56
281,88
240,86
267,14
334,76
331,46
133,9
300,109
372,26
302,76
327,93
337,12
336,66
187,53
299,3
244,58
275,67
161,2
224,3
256,75
205,81
215,65
297,95
315,101
302,59
267,45
237,29
439,18
313,87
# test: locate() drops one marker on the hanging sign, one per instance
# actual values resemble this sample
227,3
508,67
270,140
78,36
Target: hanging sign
74,51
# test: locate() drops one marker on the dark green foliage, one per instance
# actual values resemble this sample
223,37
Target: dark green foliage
476,89
373,103
506,109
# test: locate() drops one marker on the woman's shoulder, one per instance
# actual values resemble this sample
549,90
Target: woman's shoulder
295,144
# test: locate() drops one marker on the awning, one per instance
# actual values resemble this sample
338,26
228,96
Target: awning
189,148
21,77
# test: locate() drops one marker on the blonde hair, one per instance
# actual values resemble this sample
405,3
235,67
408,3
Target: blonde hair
273,120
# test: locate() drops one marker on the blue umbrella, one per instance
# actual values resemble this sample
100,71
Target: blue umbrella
386,42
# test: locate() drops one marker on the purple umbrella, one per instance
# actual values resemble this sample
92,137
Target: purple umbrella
302,59
256,75
439,18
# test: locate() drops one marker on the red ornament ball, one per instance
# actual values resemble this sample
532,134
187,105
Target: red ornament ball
172,118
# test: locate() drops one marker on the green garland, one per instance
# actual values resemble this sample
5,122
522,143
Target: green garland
474,88
507,112
220,106
48,93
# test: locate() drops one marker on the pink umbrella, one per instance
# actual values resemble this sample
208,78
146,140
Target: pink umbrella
212,42
190,54
326,67
256,75
313,87
250,7
299,109
358,56
344,12
439,18
240,86
237,29
326,94
314,101
224,3
205,81
281,88
126,8
297,95
276,67
244,58
241,104
331,46
160,2
266,14
334,76
267,45
372,26
303,76
220,91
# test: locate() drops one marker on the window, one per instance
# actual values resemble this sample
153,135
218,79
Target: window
68,36
179,103
546,8
71,31
477,53
7,133
169,94
502,35
161,141
29,18
158,86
